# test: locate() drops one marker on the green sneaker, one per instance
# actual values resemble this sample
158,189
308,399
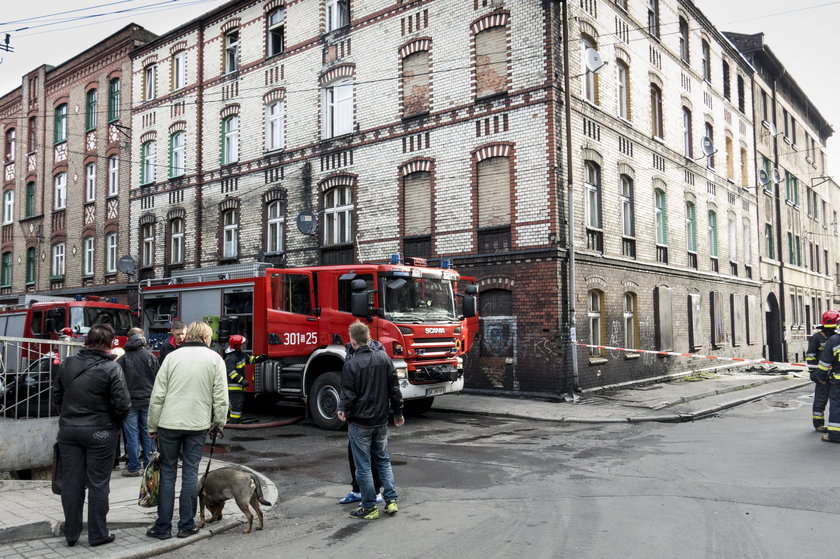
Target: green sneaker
366,514
391,507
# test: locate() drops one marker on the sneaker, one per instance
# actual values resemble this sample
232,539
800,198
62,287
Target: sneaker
365,514
821,429
152,533
126,473
391,507
379,499
187,533
351,497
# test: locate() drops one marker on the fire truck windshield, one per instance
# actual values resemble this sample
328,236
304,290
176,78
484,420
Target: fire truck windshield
413,299
82,318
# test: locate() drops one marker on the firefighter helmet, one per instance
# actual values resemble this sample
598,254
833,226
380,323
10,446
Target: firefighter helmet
830,319
236,341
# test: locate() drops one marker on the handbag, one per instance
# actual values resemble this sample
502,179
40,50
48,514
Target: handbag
57,478
150,483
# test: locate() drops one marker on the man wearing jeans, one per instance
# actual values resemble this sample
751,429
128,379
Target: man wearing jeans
189,390
368,385
140,368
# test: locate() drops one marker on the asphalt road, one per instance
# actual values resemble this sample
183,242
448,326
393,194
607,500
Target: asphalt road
753,482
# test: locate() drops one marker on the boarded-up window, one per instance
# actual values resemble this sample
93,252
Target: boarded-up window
749,311
416,92
695,322
496,302
664,320
417,199
491,62
737,318
716,302
494,192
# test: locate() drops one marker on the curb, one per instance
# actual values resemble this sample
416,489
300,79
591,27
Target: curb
152,549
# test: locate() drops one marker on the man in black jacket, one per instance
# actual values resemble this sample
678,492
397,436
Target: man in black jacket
368,385
140,368
174,341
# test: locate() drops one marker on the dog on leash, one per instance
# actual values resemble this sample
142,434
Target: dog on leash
218,486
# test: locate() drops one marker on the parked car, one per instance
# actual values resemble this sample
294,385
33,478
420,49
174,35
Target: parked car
28,393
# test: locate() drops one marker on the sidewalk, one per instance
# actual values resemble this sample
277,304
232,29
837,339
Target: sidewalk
31,519
31,516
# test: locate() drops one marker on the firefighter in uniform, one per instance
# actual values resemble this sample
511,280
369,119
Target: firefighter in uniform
816,345
828,370
235,361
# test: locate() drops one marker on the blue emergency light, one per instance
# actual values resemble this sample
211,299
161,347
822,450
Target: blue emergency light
395,258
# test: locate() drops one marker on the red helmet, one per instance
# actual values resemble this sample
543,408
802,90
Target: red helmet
830,319
236,341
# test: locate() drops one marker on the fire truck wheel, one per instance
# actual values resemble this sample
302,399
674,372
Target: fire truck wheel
323,401
418,406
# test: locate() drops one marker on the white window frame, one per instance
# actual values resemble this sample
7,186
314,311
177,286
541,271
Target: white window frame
176,255
276,22
230,245
588,84
687,125
629,320
113,175
232,39
276,223
623,90
230,137
178,154
732,227
150,82
60,191
628,218
592,186
90,182
337,99
111,253
713,233
147,233
58,251
275,114
338,14
691,227
8,207
149,150
594,313
661,217
338,217
179,70
88,253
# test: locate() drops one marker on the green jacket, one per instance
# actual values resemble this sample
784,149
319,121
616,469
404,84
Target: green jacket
190,389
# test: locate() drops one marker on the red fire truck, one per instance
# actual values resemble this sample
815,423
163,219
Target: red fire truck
299,318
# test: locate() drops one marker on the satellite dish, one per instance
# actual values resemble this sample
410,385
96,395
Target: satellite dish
777,177
770,127
763,177
592,59
126,264
306,222
708,146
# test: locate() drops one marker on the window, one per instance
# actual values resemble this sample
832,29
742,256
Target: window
276,22
275,115
744,172
179,70
741,97
653,17
710,133
147,162
763,94
589,80
177,153
684,40
8,207
630,319
628,220
90,115
275,227
32,135
695,321
90,182
687,143
114,100
87,255
661,217
60,131
765,166
793,130
6,275
786,123
30,199
747,245
147,255
338,14
415,83
231,51
338,208
417,209
706,60
768,241
230,140
713,235
30,266
595,322
494,214
111,253
57,260
113,175
727,85
176,230
732,228
730,159
338,108
491,62
716,301
149,82
60,191
592,186
690,227
623,95
230,232
656,124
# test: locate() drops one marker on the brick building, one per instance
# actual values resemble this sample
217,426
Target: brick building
66,161
797,211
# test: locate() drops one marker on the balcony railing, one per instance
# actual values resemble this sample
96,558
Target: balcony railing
595,240
692,260
628,247
662,254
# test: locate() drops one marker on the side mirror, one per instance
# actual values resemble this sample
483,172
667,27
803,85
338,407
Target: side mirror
358,285
469,304
471,289
359,304
49,325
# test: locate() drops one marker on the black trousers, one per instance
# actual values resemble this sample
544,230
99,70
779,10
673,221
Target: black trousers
237,405
821,392
87,457
834,410
377,484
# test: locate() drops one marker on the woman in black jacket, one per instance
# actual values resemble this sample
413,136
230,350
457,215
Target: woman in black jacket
91,395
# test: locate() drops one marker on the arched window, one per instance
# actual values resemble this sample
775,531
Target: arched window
657,128
8,207
628,216
706,60
88,253
687,143
337,103
275,25
276,223
231,46
275,115
338,14
6,275
147,253
589,80
111,253
230,140
415,83
177,153
623,91
230,234
176,247
10,145
90,114
732,228
90,182
60,191
114,100
147,162
150,82
57,268
60,130
710,133
417,214
596,322
30,199
491,56
179,70
630,321
30,265
684,50
592,186
713,234
338,216
113,175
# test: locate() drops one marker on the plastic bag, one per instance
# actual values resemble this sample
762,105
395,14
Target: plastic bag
150,483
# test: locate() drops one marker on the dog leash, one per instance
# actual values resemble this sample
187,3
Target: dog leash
214,430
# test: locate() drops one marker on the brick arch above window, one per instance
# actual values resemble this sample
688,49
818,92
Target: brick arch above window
112,227
587,28
415,45
89,231
180,126
147,219
493,150
625,169
176,213
229,110
229,203
496,19
231,24
152,59
497,282
273,5
711,206
148,136
177,47
590,154
59,237
660,184
276,94
336,72
656,80
274,195
690,197
686,102
61,101
417,166
88,159
340,179
621,54
91,85
116,74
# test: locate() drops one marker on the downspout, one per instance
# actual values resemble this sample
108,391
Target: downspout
199,152
783,322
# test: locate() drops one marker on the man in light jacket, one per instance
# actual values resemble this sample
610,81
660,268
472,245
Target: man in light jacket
190,389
